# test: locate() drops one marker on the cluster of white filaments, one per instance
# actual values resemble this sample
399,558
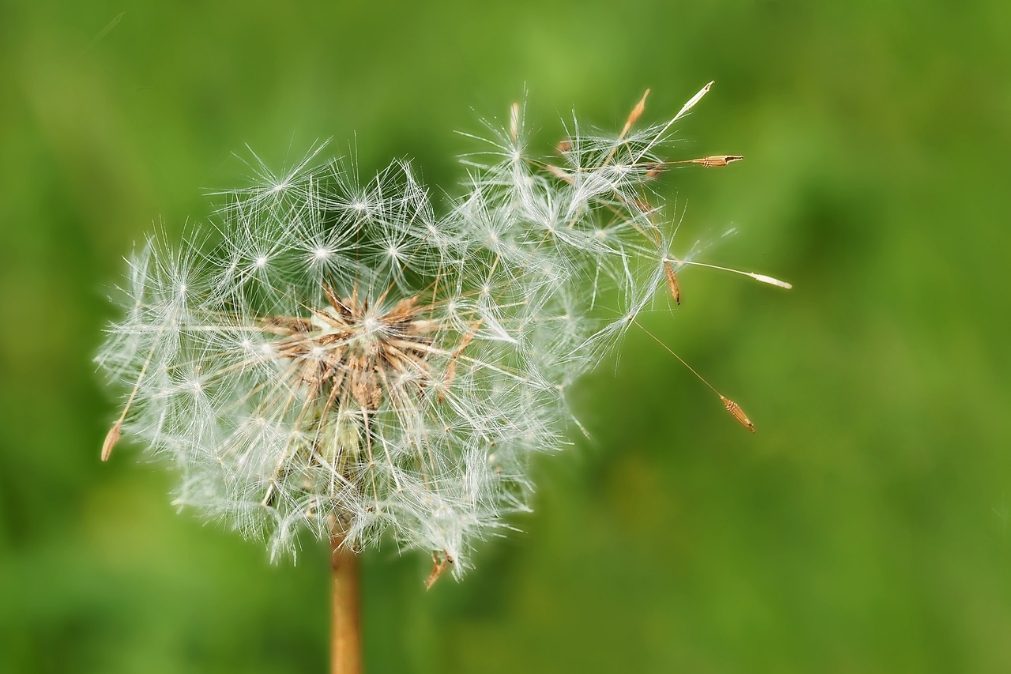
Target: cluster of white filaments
333,355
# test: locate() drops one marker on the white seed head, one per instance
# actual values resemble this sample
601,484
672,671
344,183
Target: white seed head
344,357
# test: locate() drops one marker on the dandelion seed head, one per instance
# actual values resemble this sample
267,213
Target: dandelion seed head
340,354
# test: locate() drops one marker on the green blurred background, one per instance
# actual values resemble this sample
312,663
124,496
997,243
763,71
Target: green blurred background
865,528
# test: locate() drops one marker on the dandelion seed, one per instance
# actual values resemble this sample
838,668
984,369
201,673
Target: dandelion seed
439,565
559,173
673,286
737,413
713,161
111,438
733,408
761,278
692,102
634,116
655,169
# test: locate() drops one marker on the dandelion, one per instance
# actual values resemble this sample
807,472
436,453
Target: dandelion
345,358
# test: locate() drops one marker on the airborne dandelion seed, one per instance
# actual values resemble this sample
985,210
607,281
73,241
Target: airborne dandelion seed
346,361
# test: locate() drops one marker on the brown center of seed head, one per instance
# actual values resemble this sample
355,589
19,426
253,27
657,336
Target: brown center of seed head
348,352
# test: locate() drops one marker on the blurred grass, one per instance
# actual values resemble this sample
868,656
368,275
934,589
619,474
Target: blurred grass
863,529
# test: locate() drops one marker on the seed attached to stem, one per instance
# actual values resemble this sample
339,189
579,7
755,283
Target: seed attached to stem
111,438
737,413
713,161
634,115
439,566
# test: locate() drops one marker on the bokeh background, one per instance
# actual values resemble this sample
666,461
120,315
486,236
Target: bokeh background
865,528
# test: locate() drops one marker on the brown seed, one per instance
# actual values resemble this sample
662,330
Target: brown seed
559,173
365,387
451,367
717,160
402,310
467,338
737,413
564,145
672,282
111,438
438,567
655,169
448,379
634,116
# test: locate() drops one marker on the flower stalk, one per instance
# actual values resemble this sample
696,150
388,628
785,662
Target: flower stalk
345,616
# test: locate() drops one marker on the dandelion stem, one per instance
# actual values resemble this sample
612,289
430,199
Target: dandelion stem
345,628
